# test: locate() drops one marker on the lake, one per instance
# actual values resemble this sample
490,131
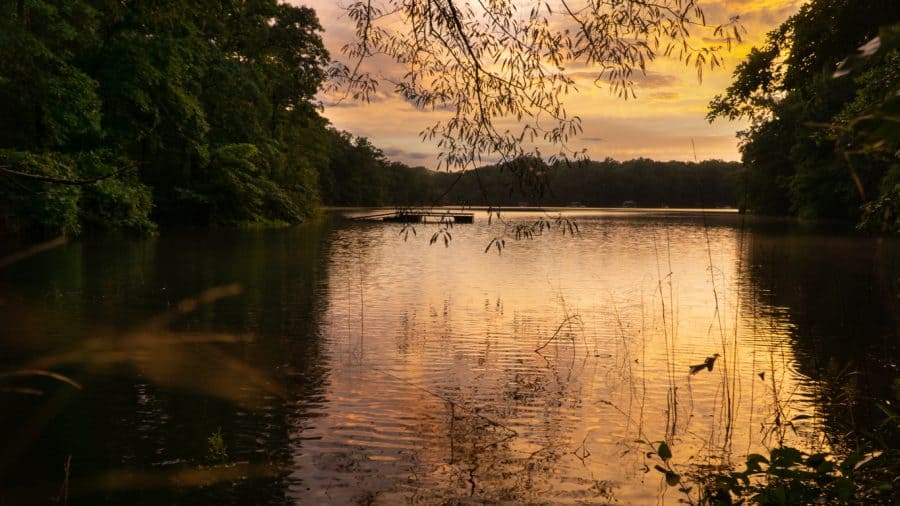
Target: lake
350,362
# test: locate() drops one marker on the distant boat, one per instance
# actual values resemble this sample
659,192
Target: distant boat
629,203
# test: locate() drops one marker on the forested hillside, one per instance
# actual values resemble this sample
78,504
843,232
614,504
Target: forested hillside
360,176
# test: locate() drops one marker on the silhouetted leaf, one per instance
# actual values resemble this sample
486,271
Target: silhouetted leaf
672,478
663,451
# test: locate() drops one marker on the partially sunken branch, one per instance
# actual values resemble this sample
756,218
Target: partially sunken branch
56,180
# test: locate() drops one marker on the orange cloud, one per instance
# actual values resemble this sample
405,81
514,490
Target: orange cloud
669,110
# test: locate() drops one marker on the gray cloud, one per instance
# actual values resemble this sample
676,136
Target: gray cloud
337,99
649,80
403,154
755,17
655,80
664,95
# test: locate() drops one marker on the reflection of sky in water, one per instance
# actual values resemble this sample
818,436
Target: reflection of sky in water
436,391
355,367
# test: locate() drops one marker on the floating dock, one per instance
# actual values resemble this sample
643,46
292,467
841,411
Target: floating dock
421,217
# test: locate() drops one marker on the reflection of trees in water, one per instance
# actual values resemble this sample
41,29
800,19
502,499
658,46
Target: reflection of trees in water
519,443
488,461
837,298
489,423
589,370
153,396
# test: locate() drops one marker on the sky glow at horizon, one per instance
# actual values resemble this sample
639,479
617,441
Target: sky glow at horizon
661,123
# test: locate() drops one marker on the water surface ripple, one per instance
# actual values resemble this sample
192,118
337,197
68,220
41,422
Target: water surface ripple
374,370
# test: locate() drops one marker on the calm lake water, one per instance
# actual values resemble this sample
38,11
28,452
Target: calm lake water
337,363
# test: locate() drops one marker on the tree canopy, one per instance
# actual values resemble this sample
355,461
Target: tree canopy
122,115
805,150
203,110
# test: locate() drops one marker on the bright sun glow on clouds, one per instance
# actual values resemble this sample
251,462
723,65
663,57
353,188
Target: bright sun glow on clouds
667,115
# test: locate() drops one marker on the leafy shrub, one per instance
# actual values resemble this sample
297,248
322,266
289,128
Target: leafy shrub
240,192
116,203
36,205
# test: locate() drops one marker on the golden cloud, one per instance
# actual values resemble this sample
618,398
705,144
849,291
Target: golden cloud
669,110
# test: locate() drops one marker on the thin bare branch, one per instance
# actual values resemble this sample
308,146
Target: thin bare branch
56,180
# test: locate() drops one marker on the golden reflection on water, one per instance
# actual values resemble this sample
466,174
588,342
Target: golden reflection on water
341,364
441,389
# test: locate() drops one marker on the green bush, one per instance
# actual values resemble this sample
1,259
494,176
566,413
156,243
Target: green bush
40,206
116,203
240,192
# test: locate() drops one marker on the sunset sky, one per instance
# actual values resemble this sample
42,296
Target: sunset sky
668,113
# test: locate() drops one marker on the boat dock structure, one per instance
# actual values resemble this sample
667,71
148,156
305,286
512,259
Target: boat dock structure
408,216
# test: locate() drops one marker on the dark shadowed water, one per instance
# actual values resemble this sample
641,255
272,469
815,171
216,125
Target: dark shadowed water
336,363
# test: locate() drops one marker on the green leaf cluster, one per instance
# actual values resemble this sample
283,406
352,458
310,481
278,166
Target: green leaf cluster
121,203
41,205
790,476
865,473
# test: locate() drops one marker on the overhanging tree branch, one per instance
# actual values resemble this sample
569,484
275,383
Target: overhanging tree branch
499,66
56,180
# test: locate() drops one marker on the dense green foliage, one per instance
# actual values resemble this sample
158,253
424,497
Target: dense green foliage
122,115
865,473
790,476
810,149
201,109
358,174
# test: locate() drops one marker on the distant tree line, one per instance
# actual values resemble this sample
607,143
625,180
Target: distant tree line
607,183
360,176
